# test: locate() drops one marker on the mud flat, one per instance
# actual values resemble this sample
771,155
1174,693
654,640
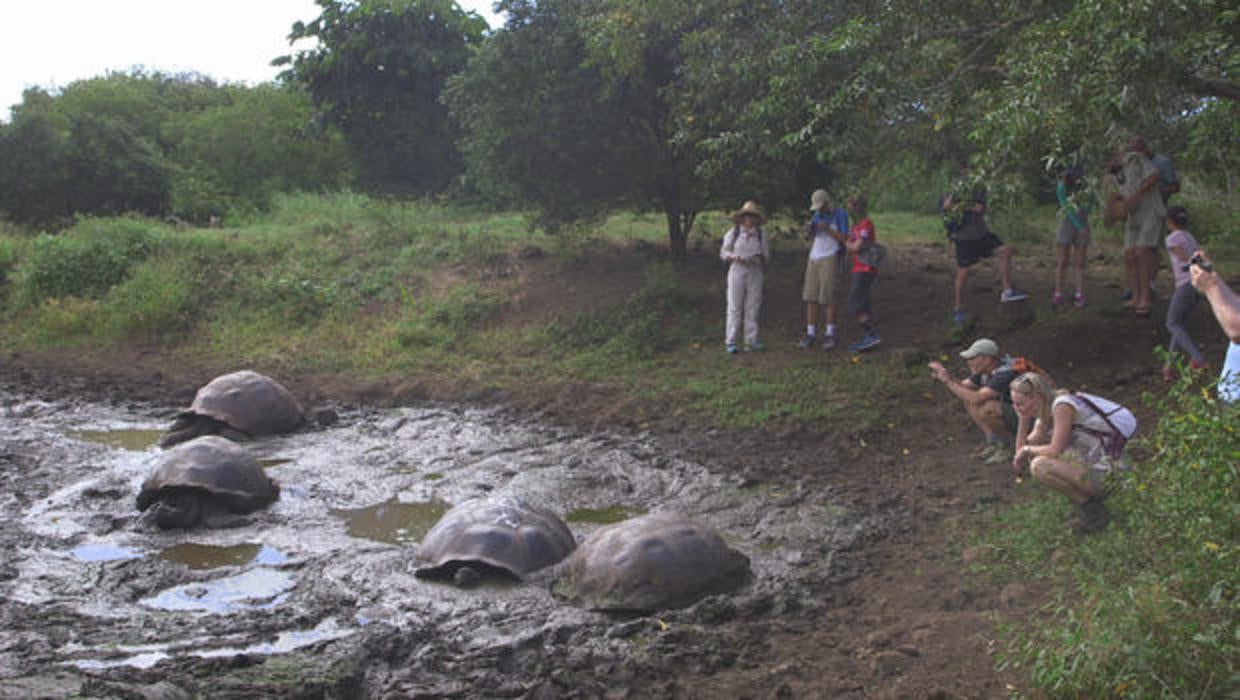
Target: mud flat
316,594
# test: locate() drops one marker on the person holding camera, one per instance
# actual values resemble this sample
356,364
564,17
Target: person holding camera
1226,306
1181,247
747,251
828,230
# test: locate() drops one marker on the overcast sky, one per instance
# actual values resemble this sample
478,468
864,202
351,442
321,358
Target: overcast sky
51,43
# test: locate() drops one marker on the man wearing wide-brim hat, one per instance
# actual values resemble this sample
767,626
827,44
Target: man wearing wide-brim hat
746,248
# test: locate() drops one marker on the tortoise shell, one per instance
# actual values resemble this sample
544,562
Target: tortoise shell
502,532
250,402
656,561
214,467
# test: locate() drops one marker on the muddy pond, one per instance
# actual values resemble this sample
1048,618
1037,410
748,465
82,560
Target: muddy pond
316,594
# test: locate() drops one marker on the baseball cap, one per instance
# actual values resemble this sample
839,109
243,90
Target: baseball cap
981,346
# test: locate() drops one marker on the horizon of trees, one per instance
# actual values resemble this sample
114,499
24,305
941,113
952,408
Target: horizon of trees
576,108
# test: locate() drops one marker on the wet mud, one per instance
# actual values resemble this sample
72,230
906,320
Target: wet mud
316,595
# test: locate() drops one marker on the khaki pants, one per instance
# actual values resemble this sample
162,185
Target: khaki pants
744,299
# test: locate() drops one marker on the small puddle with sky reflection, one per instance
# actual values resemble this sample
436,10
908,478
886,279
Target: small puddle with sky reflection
102,551
254,589
392,521
209,556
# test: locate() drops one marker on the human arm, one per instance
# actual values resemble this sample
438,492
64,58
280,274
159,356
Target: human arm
727,252
1075,214
1223,301
1149,183
963,389
1060,435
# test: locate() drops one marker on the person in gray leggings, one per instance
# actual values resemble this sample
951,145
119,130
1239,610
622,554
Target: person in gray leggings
1181,246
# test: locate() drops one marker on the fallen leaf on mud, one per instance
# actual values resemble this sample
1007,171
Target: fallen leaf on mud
905,451
663,626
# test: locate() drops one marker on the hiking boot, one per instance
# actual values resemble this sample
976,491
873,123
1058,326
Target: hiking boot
806,342
828,342
1013,294
1092,516
731,348
868,341
1080,301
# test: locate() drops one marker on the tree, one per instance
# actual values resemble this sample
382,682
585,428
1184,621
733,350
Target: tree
377,71
576,108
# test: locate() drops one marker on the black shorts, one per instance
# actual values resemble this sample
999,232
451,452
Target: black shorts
969,252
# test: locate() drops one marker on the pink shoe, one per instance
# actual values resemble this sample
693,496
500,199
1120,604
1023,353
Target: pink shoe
1199,366
1057,300
1169,375
1080,301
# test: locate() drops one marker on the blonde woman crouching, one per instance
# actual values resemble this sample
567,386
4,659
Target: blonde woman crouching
1058,437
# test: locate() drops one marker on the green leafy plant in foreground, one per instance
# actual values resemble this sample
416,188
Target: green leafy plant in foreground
1154,614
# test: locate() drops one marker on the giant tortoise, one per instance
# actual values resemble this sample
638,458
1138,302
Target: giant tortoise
207,480
501,535
237,406
656,561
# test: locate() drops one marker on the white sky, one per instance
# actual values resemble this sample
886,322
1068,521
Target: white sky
51,43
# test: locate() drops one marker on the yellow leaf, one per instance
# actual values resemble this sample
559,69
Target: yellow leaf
663,626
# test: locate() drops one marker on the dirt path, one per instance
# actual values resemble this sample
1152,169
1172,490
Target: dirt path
902,620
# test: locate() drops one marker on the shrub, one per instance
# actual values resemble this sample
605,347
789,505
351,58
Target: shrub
88,260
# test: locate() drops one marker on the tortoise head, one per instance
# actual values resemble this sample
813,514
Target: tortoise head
176,509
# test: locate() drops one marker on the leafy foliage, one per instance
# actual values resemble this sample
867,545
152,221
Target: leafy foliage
377,70
88,261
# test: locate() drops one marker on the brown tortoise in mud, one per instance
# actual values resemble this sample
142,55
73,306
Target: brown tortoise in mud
204,481
656,561
238,406
499,534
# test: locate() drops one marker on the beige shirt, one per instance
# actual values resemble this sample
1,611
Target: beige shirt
750,244
1138,169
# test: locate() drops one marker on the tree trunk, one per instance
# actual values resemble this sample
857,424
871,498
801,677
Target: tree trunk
678,225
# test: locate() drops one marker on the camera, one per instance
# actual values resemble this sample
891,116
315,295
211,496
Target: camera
1199,262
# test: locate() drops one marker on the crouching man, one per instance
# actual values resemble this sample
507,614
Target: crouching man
987,396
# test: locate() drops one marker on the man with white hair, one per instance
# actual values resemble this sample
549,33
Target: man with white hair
987,396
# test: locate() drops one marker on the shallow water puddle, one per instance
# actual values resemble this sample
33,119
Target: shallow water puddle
133,440
392,521
254,589
143,660
291,640
100,551
272,462
603,516
209,556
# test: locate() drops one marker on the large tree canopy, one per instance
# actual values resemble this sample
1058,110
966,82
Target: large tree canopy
377,70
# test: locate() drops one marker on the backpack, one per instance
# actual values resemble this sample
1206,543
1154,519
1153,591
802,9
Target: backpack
873,255
1122,423
1023,365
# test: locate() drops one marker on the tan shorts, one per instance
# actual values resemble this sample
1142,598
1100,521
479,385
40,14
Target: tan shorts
1069,235
820,277
1143,231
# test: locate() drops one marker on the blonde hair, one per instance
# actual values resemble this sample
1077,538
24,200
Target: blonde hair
1040,386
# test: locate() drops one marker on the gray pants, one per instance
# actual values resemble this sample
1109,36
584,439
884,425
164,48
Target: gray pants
1181,307
744,299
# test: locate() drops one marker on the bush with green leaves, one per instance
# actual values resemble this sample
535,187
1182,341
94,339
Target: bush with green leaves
88,260
1155,612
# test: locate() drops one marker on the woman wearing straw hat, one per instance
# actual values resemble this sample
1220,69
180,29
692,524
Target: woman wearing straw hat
747,250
